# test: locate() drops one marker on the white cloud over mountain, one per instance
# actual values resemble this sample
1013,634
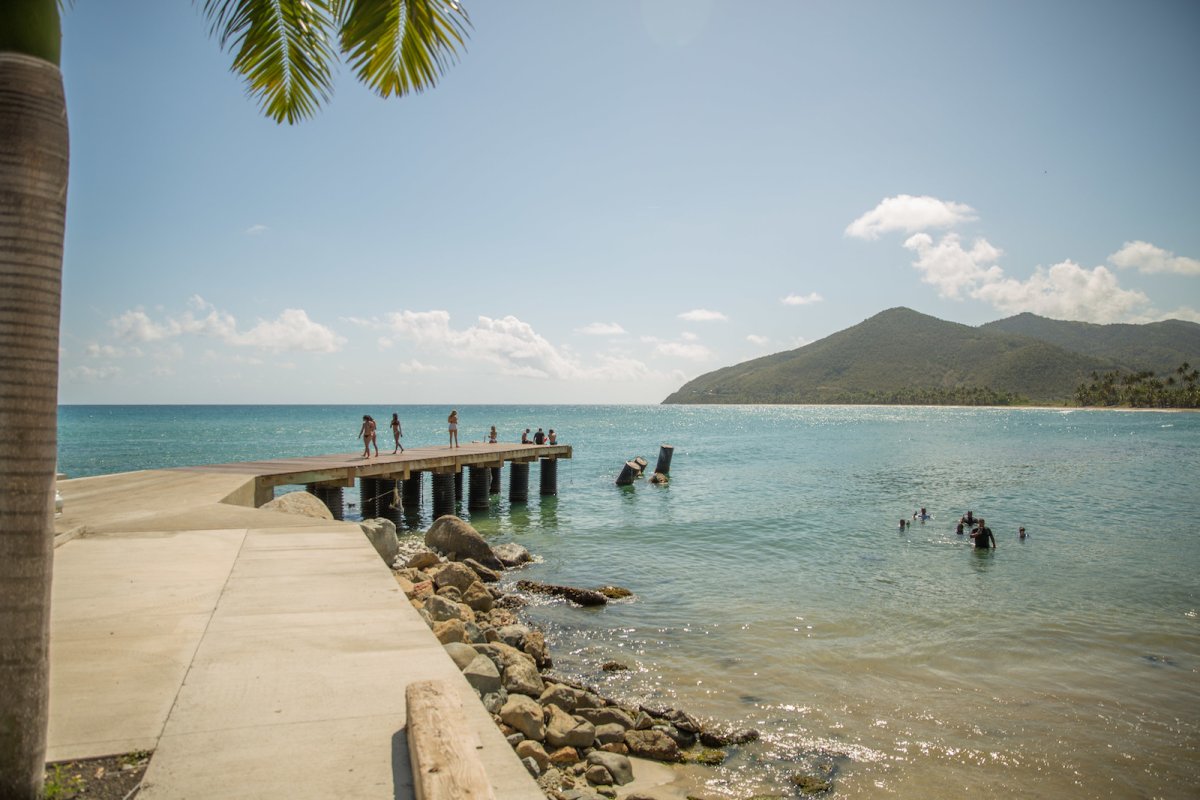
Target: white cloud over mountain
1145,257
910,214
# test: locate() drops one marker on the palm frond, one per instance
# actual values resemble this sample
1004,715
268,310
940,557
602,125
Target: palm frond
401,46
281,48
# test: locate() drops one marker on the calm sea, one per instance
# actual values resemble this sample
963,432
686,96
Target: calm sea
775,589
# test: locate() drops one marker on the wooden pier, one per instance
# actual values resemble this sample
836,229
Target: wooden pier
328,474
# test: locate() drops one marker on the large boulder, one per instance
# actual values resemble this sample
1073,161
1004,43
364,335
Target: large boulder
477,597
300,503
442,608
583,597
608,715
423,559
653,744
512,554
460,576
483,676
525,715
522,677
382,534
564,730
458,540
618,766
462,654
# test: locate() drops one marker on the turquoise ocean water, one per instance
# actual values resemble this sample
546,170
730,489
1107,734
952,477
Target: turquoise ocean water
775,590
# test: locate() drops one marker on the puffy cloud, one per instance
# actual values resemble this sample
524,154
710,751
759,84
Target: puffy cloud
801,299
703,315
760,341
1145,257
96,350
256,229
1065,291
951,268
909,214
292,330
94,374
601,329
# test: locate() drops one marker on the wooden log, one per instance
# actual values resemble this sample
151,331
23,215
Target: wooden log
445,765
664,459
628,473
583,597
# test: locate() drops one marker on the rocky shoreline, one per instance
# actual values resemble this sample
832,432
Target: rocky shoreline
576,742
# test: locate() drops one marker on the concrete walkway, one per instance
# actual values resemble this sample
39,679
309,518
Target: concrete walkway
258,654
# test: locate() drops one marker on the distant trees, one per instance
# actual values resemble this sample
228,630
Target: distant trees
928,396
1142,389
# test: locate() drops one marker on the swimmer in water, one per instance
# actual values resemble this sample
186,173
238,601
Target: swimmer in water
1021,532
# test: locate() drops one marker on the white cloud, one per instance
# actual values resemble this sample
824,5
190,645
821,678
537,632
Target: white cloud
256,229
1065,291
601,329
96,350
755,339
1145,257
909,214
413,367
949,267
94,374
692,352
513,347
703,315
801,299
688,336
292,330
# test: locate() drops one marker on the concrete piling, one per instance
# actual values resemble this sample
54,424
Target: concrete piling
548,477
518,482
444,497
478,484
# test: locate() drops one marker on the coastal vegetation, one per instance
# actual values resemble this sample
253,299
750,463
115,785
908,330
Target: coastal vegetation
900,356
285,53
1142,389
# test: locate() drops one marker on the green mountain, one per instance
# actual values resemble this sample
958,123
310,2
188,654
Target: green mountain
1157,346
900,355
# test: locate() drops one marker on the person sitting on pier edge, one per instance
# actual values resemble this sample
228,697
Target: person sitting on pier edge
552,438
525,437
983,536
539,437
492,435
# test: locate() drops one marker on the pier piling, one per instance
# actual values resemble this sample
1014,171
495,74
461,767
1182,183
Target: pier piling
411,491
549,477
444,497
518,482
479,483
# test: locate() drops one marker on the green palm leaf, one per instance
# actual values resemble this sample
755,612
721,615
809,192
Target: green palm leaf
400,46
281,49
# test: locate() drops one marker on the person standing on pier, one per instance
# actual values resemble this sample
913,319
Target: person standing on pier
453,420
396,432
367,432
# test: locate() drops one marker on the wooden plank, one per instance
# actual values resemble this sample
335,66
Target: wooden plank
445,765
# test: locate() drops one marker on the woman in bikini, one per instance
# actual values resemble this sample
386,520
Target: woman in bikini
453,420
396,432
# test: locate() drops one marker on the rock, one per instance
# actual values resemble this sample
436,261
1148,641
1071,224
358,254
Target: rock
644,721
614,666
484,574
564,730
618,766
610,732
494,701
514,635
531,749
535,647
510,554
682,720
682,738
524,715
450,593
521,677
450,630
300,503
614,592
588,700
810,784
382,534
608,715
452,573
532,766
483,676
718,737
597,775
653,744
561,756
477,597
503,655
462,654
615,747
452,536
550,780
475,633
709,757
560,695
583,597
423,560
658,477
441,608
511,601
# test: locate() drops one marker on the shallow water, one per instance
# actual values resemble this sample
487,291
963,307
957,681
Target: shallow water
775,590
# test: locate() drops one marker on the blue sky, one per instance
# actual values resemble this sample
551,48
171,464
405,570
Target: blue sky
601,201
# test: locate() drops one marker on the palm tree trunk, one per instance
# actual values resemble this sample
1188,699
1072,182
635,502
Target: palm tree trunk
33,197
